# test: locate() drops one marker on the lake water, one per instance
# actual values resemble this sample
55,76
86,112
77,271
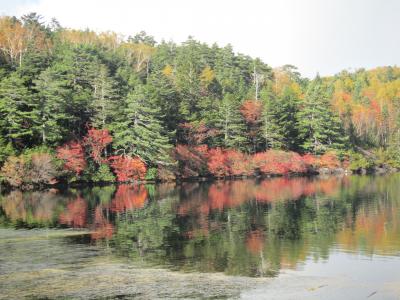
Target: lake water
278,238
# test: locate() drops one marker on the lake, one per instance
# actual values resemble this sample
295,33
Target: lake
277,238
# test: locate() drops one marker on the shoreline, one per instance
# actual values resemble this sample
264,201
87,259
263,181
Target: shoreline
312,174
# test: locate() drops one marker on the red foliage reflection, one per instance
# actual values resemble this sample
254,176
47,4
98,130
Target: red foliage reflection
128,197
255,242
102,227
75,214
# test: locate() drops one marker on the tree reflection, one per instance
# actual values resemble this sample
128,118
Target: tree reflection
75,214
242,227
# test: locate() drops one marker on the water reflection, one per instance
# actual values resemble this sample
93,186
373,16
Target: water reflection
244,227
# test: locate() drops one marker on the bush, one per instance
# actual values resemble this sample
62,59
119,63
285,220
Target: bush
387,157
103,174
218,163
166,173
192,160
13,170
358,162
151,174
31,168
128,168
279,162
329,160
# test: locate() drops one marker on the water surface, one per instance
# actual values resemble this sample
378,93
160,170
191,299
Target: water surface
274,238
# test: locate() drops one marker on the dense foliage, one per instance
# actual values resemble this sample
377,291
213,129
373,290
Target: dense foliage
104,102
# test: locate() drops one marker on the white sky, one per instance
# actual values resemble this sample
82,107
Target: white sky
323,36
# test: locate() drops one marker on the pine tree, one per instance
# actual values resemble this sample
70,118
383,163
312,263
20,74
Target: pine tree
319,128
139,131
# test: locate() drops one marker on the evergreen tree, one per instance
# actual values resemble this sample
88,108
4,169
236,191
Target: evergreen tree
230,123
54,99
18,113
105,96
280,121
319,128
139,131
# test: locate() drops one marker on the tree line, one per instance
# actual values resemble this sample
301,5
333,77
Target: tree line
96,105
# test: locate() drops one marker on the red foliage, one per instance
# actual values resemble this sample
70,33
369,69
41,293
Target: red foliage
127,168
239,163
223,163
129,197
218,163
251,111
310,160
192,160
97,140
279,162
73,155
75,214
329,160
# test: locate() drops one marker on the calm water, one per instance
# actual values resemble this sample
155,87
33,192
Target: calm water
312,236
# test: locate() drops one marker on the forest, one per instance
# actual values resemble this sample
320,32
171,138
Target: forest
83,106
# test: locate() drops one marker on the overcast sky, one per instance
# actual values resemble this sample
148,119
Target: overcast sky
324,36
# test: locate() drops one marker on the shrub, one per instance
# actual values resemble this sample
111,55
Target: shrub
357,161
103,174
73,155
151,174
218,163
279,162
387,157
13,170
192,160
97,140
239,163
41,169
127,168
329,160
32,168
166,173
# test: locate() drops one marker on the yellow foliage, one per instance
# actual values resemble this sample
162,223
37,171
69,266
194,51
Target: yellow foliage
207,76
168,70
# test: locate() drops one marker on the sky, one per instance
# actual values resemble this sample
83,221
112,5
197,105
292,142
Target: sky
324,36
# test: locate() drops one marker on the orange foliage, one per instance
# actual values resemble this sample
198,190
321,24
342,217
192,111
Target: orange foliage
251,111
127,168
329,160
